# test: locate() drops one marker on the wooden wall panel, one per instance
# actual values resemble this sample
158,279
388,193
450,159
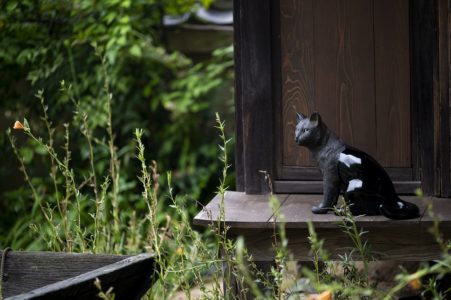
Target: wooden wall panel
297,73
355,93
391,28
326,67
337,59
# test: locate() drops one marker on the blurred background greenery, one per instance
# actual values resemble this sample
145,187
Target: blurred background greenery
163,79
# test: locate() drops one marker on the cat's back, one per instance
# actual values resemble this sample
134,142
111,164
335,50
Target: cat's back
362,170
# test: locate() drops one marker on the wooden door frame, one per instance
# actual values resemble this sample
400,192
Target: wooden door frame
429,30
258,98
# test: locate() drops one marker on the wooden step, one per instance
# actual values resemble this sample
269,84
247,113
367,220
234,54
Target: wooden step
250,216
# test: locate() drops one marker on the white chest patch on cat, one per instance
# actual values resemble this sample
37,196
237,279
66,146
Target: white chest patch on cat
349,159
354,184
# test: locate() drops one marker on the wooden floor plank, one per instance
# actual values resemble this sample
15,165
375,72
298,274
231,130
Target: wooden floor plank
249,216
282,200
297,212
250,211
253,211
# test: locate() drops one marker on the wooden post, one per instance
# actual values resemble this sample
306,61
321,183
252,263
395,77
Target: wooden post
254,110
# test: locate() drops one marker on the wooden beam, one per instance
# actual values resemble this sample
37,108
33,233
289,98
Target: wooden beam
253,212
255,100
198,39
239,148
422,88
316,187
442,94
395,243
313,173
389,239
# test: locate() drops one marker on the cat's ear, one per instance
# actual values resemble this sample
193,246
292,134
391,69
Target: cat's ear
315,119
300,116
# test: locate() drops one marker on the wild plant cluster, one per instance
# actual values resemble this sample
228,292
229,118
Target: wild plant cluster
84,214
173,95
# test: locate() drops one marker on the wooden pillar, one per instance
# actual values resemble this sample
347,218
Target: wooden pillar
253,100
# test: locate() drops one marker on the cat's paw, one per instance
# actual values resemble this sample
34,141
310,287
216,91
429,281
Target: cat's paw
320,210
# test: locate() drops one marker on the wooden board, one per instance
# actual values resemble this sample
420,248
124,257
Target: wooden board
392,243
27,271
29,275
316,187
422,60
297,71
253,212
200,39
255,66
239,151
297,211
392,82
355,74
403,240
349,60
443,23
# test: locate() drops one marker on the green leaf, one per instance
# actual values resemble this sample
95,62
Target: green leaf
26,154
135,50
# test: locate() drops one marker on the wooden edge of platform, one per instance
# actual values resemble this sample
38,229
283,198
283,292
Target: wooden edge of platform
252,211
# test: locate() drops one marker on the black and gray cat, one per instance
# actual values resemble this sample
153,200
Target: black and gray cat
363,181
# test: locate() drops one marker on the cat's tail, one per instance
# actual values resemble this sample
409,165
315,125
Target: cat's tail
399,210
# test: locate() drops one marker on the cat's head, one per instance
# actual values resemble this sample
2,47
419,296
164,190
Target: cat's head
308,129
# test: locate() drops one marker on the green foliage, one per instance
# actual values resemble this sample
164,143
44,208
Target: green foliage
84,215
44,43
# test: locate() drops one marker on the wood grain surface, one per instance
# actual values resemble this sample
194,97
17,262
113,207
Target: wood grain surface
422,78
401,244
443,73
355,76
298,62
392,69
316,187
253,212
50,275
404,240
239,150
256,93
30,270
349,60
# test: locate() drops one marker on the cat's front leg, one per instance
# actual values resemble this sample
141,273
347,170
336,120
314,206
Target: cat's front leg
331,187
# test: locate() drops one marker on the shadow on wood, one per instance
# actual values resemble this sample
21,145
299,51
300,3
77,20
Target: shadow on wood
47,275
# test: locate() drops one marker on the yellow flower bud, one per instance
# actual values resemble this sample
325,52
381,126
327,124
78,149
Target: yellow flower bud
179,251
327,295
415,284
18,125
